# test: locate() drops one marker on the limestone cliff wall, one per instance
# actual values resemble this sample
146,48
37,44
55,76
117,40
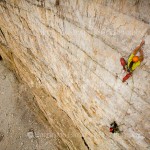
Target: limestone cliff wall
68,53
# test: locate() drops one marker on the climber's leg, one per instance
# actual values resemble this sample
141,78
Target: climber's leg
123,63
116,130
127,76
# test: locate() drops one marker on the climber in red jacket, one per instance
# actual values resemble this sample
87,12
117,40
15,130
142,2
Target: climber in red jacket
114,128
133,61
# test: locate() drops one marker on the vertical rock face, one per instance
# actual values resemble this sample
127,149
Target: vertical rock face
68,53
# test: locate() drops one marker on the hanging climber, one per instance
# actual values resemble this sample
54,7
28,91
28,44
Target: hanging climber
133,61
114,128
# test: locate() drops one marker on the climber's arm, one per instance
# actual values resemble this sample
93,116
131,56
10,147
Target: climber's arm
141,55
138,47
136,50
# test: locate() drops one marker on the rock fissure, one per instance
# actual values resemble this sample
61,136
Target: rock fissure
85,143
